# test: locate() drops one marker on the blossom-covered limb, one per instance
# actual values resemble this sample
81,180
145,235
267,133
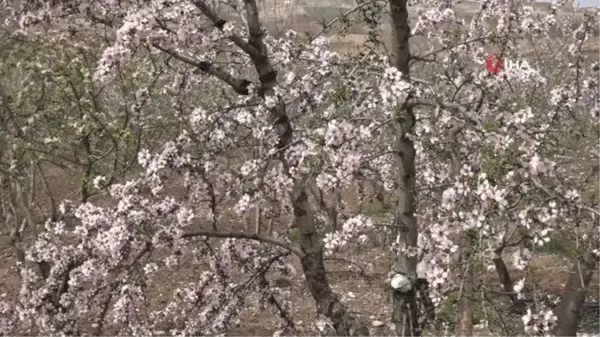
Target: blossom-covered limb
252,236
239,85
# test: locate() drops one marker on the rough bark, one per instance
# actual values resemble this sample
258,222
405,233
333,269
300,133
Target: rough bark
405,314
573,296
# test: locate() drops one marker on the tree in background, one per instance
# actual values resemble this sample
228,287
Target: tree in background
57,120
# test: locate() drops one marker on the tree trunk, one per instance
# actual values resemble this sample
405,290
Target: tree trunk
405,314
573,296
400,36
313,266
508,285
327,301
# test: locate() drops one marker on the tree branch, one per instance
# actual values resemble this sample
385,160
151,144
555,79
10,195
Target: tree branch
100,19
250,236
537,183
220,24
266,73
239,85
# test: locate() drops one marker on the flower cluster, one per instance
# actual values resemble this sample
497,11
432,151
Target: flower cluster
542,322
354,227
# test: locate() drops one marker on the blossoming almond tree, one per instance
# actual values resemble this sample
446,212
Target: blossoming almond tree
510,187
480,149
57,121
119,233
